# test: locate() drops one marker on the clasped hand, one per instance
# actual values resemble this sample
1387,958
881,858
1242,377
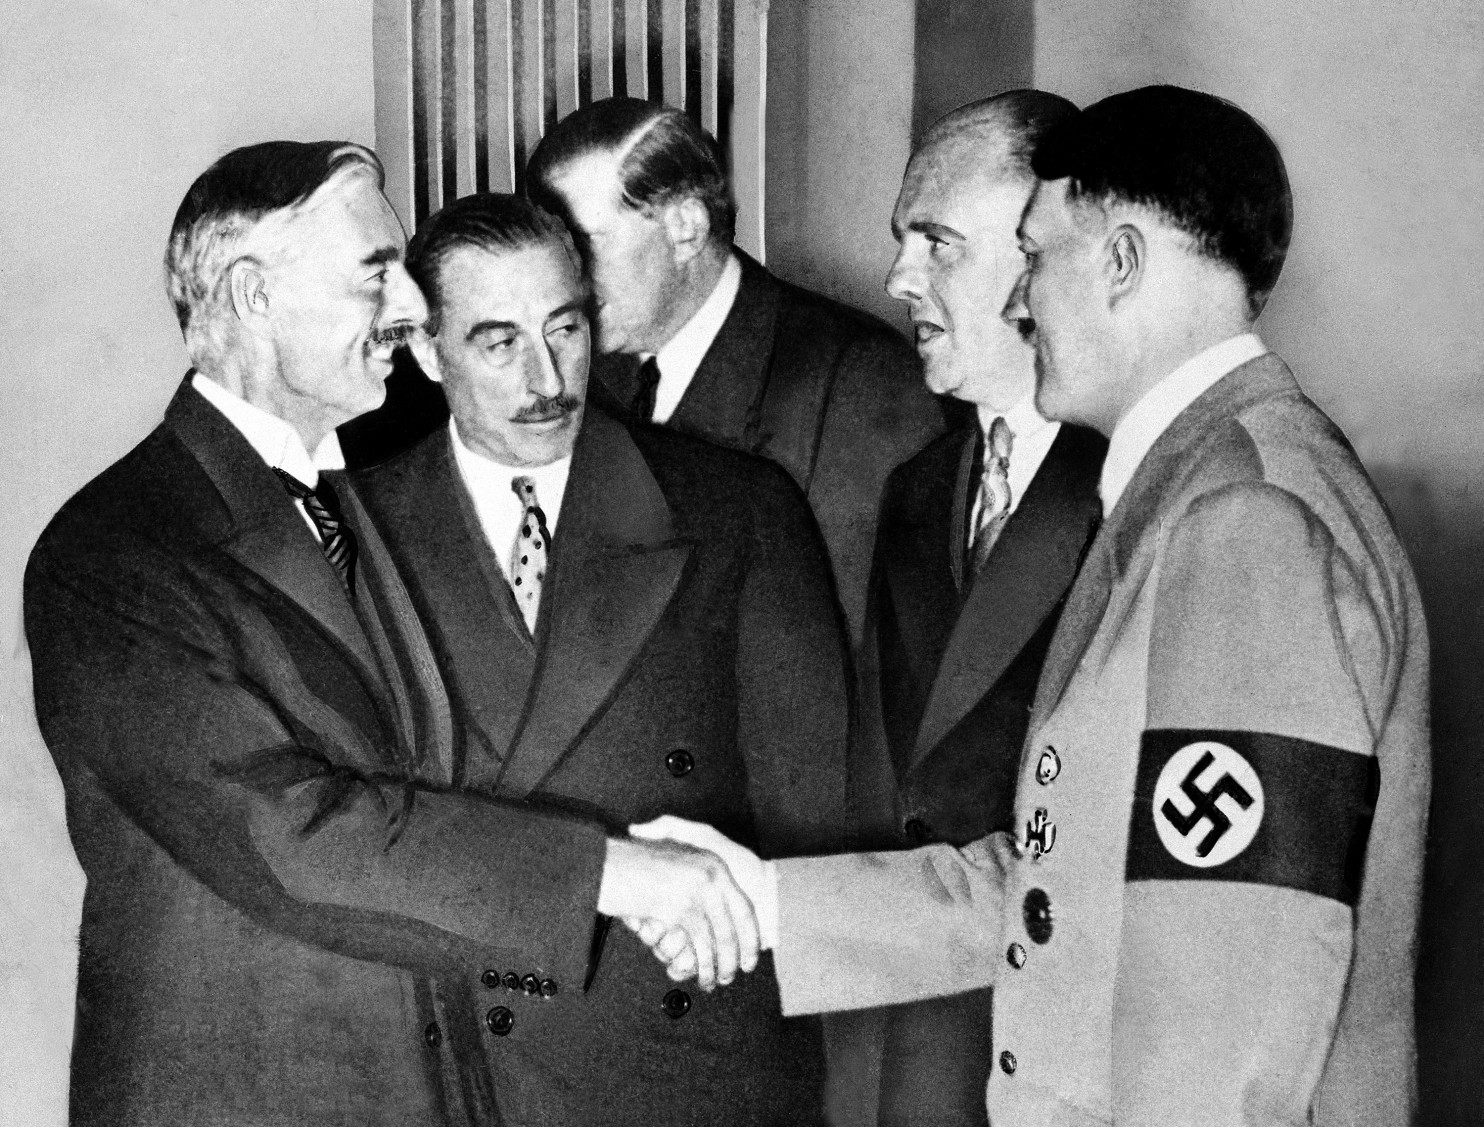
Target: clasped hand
702,903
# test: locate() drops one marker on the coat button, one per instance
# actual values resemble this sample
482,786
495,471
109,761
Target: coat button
1048,766
680,762
511,981
500,1021
490,978
433,1035
1015,955
917,831
531,984
676,1004
1008,1063
548,988
1036,911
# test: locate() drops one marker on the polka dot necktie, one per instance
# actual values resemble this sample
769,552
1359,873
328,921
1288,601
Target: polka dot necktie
994,491
528,556
336,541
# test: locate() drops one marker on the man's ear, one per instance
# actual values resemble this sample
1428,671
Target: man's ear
247,282
425,348
1127,255
687,227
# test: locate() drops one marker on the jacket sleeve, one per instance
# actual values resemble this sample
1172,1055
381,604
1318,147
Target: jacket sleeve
1275,664
793,704
170,689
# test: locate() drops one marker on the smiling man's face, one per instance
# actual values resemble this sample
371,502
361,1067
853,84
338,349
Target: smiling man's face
512,350
956,263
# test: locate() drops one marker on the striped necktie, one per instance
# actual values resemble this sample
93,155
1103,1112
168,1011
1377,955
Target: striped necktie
336,541
994,491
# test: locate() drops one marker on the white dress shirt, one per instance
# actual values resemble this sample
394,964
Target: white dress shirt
682,355
1152,415
276,442
500,510
1031,438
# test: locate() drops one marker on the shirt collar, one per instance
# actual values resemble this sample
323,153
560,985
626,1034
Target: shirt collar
276,441
683,353
490,479
1151,416
1023,419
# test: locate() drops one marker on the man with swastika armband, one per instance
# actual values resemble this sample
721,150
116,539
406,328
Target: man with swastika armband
1209,916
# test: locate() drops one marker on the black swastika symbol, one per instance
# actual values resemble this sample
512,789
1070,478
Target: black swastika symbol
1203,805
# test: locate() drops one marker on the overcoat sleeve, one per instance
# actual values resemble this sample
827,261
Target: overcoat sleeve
185,700
1281,655
793,703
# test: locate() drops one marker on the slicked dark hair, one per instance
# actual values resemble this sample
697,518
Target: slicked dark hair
491,221
234,194
666,157
1205,165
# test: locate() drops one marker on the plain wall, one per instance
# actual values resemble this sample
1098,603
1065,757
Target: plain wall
839,134
1378,106
110,111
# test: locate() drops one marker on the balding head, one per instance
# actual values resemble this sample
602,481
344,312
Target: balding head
965,188
994,138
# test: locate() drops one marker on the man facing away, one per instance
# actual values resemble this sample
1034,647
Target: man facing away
1208,912
979,538
629,621
289,899
698,336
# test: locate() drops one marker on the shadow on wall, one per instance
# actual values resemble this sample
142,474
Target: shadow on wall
1445,539
969,42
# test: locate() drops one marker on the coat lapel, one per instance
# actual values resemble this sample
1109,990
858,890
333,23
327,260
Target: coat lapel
615,568
1124,547
1029,572
457,581
724,401
267,535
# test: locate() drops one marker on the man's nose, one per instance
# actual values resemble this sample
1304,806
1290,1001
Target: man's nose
1016,310
543,377
903,280
403,302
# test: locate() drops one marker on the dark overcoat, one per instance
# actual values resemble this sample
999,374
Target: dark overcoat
687,659
284,889
832,394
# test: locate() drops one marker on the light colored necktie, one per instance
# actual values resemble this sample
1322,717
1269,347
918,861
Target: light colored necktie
529,554
994,491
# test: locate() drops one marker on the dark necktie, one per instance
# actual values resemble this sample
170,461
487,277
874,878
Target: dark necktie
336,541
648,381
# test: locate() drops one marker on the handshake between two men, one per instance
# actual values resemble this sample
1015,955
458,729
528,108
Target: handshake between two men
703,904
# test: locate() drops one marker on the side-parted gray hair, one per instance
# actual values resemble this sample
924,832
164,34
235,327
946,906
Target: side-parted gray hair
225,203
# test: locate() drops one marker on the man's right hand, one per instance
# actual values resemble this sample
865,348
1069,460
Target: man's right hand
683,889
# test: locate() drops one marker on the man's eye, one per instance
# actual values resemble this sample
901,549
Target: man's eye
500,344
565,330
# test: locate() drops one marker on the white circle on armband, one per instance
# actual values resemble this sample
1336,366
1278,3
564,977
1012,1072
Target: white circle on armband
1207,804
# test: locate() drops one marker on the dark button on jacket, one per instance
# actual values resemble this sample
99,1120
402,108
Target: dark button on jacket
680,762
676,1004
500,1021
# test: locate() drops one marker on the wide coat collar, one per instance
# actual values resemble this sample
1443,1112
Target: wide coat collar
1025,579
258,525
616,565
1125,545
725,398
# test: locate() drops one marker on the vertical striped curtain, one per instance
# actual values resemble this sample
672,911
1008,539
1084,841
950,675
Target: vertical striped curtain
466,88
